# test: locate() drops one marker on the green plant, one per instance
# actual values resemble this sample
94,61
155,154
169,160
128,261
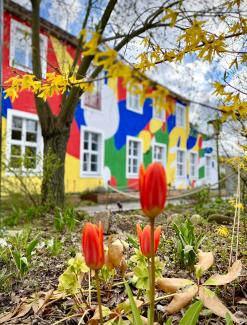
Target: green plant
54,246
141,274
5,279
187,243
69,216
202,197
65,219
14,217
21,248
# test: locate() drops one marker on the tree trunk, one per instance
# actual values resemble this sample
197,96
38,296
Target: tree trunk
52,189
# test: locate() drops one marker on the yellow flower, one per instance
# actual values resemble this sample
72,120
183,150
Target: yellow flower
222,231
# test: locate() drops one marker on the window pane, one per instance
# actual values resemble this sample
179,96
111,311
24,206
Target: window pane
94,146
94,167
30,163
85,161
15,162
17,123
15,150
19,58
31,137
16,135
31,125
30,151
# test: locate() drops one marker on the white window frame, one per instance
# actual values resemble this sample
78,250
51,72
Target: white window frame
164,148
129,106
196,165
180,109
23,143
90,174
157,111
184,167
99,84
140,157
16,25
210,166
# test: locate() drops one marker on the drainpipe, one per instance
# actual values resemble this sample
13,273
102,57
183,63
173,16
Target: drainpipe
1,99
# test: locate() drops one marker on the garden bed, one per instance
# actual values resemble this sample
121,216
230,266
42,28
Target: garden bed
35,291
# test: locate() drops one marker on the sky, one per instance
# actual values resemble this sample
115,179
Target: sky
192,78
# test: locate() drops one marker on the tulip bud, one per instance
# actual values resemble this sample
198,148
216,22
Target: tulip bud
145,239
93,246
153,189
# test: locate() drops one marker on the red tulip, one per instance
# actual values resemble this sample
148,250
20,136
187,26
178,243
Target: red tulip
153,189
145,239
93,246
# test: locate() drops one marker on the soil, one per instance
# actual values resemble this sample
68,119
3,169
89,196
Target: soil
45,270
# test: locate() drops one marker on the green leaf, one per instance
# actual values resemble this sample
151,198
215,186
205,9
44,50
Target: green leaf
169,321
135,310
192,314
31,247
229,320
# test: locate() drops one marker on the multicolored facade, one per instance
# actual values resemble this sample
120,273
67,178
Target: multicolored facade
111,133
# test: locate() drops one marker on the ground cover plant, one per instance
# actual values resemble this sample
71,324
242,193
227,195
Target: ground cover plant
106,278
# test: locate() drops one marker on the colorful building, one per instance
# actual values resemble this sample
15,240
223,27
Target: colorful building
111,133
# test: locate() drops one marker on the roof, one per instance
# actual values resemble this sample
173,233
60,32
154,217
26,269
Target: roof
25,14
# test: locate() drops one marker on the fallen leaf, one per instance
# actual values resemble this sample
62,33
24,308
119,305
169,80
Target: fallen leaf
172,285
206,260
212,302
23,310
233,273
115,251
7,316
44,301
181,299
242,301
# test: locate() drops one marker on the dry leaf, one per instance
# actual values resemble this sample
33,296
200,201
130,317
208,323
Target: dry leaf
206,260
242,301
123,266
20,311
7,316
108,263
212,302
182,299
172,285
115,251
233,273
24,309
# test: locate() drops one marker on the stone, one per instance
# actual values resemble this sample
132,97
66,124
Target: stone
176,218
196,219
105,218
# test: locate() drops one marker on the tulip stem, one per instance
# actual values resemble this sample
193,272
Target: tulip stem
99,296
152,275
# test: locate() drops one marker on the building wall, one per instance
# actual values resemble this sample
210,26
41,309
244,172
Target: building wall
116,124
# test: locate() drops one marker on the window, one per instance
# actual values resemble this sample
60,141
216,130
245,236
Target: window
93,99
208,166
159,112
193,165
180,115
91,153
180,163
21,48
23,142
134,157
159,153
133,102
